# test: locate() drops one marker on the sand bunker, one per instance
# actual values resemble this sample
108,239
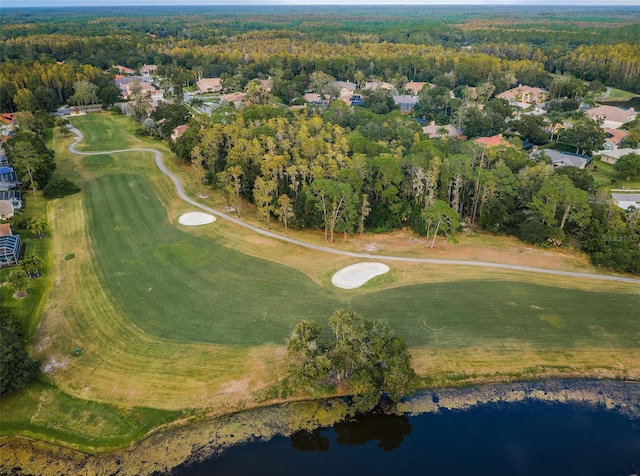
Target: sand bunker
356,275
196,218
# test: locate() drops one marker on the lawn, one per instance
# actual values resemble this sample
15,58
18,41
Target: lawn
106,131
174,320
59,417
606,175
176,286
617,95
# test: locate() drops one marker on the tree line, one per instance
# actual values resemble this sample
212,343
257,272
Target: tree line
347,170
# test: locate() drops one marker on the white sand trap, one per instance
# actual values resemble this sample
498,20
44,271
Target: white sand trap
356,275
196,218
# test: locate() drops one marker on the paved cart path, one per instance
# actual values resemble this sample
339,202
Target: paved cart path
271,234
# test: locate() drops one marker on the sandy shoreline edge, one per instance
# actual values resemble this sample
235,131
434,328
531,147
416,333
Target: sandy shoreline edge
168,449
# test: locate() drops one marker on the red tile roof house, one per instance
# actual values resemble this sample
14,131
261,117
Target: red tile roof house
124,69
178,131
612,117
614,138
493,141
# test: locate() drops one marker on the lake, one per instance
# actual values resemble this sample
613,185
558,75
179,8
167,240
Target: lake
523,438
631,103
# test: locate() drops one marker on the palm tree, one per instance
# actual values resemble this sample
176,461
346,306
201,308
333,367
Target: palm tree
39,227
442,132
31,266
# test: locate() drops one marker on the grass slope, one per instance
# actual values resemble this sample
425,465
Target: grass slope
471,313
177,286
498,325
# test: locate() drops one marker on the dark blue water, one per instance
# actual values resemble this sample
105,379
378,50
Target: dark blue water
522,439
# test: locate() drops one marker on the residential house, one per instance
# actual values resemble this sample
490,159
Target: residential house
148,70
10,246
178,131
414,87
352,99
267,84
612,117
348,86
6,209
124,70
8,178
236,98
612,156
524,96
614,138
434,130
493,141
405,102
315,99
5,229
563,159
209,85
12,196
626,200
128,85
375,85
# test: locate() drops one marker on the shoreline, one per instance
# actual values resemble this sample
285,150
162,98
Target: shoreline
169,449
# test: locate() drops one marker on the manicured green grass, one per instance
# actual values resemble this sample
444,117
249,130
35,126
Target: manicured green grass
180,287
106,131
43,411
177,286
618,95
149,302
471,313
606,175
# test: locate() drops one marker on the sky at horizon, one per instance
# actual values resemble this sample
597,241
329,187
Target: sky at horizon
94,3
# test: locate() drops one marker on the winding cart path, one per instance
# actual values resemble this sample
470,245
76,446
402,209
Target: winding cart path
271,234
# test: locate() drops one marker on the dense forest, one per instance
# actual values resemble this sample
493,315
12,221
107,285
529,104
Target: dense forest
241,43
350,169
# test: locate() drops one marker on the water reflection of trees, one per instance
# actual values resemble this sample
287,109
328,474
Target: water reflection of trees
388,430
304,440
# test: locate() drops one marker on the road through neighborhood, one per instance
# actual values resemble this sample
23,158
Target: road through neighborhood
325,249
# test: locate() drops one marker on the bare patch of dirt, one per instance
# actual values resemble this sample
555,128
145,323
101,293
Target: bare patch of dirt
52,364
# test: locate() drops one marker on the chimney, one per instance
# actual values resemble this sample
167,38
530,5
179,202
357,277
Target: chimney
432,123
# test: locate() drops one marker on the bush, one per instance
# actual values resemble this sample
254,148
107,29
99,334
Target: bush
60,188
17,368
20,221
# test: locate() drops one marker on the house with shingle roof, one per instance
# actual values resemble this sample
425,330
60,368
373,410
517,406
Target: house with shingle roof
626,200
405,102
612,117
563,159
612,156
